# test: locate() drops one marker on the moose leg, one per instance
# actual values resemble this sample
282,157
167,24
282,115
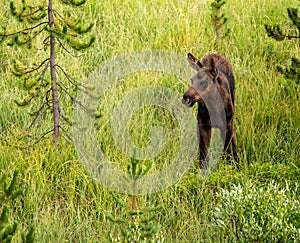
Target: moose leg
204,135
229,143
233,146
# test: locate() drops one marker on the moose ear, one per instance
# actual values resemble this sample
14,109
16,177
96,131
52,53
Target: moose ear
194,62
213,69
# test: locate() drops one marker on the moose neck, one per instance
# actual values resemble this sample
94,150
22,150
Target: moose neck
215,108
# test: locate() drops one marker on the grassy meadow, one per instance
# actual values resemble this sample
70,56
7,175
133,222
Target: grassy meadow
65,204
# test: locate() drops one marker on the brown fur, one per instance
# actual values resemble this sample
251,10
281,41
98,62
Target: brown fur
214,74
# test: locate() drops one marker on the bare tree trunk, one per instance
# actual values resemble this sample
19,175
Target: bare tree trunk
55,104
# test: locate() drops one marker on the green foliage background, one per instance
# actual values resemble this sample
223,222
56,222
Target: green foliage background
60,198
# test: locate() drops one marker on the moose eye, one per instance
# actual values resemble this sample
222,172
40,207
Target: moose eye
204,84
191,81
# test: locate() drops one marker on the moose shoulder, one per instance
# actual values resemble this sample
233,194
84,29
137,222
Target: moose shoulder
214,81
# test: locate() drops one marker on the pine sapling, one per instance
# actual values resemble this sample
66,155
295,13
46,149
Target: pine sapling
276,32
8,193
137,224
50,88
218,18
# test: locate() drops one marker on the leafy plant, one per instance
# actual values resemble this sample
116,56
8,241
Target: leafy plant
48,25
258,214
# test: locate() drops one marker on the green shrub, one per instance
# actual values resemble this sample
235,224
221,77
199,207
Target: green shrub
258,214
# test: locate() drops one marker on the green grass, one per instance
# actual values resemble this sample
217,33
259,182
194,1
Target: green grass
61,199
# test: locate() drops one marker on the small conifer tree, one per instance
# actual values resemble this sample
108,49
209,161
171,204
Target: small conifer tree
218,18
136,225
56,31
276,32
8,193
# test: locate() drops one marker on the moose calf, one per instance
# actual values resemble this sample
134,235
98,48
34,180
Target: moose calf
214,79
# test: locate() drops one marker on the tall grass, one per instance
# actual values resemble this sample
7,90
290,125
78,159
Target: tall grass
67,205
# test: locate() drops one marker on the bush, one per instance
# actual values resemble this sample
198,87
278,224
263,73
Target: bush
258,214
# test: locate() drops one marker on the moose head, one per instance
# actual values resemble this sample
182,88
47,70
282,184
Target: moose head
202,82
